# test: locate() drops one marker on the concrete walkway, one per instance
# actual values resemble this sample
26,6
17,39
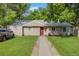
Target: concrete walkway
44,48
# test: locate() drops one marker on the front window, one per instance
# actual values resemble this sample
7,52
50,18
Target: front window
53,29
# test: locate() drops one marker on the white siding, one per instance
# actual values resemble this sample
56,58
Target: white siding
16,29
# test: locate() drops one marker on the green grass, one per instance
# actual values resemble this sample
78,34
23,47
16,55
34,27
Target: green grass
66,46
19,46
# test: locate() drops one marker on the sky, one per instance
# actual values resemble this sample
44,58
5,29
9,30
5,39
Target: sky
37,5
34,6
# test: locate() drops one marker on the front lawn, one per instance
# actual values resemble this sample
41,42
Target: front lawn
66,46
19,46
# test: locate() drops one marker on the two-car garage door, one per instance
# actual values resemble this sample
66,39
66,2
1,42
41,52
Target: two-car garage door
31,31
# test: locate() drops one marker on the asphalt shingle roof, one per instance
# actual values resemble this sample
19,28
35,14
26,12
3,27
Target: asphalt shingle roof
42,23
58,24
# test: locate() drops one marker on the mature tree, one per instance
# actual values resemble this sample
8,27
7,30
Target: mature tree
75,22
60,12
19,8
10,12
54,12
34,15
39,14
75,6
8,18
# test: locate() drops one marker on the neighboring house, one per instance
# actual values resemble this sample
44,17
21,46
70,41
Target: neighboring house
40,27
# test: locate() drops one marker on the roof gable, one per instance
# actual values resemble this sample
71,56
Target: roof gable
35,23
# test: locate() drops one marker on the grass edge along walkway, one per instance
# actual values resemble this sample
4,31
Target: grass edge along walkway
66,46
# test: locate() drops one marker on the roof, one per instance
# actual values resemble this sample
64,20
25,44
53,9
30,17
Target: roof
35,23
59,24
41,23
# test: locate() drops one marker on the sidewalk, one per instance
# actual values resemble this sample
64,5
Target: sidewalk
44,48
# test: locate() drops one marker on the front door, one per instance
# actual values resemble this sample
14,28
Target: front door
41,30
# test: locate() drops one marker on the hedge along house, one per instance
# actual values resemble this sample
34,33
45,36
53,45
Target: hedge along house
40,27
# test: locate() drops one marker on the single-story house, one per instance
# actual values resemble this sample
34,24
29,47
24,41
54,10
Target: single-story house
40,27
